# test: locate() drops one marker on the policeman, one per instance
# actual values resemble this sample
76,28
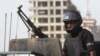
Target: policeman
79,41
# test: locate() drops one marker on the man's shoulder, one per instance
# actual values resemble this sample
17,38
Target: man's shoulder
87,32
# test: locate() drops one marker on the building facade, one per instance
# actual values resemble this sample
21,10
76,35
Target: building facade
48,15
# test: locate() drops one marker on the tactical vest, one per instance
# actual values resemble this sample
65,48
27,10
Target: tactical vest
74,46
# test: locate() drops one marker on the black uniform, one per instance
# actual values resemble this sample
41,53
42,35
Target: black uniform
86,39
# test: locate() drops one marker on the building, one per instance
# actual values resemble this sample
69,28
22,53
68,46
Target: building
48,15
89,22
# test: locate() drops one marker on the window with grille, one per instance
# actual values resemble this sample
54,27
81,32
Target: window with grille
43,12
52,28
42,4
51,11
43,20
51,20
58,28
58,3
64,3
51,3
58,11
43,28
58,20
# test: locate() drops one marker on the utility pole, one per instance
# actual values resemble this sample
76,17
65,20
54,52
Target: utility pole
5,31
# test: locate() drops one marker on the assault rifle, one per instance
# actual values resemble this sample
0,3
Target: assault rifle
29,24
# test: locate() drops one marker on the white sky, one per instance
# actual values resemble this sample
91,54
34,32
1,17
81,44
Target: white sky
8,6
